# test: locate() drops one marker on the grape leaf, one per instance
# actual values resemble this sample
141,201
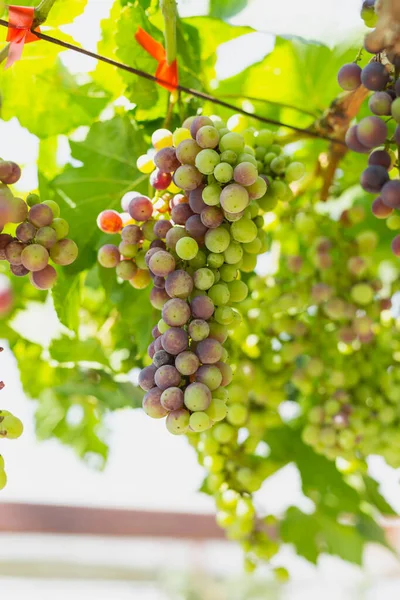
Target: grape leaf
223,9
61,13
45,97
109,155
375,497
66,349
66,297
341,540
292,529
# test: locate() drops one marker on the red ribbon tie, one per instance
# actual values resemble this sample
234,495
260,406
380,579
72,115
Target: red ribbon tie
165,72
20,21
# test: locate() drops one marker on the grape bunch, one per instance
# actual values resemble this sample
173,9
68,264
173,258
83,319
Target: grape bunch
11,428
198,244
378,134
40,234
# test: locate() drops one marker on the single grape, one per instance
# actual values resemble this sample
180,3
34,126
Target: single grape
196,202
187,151
226,373
257,189
10,172
162,357
179,284
372,131
206,161
244,230
224,315
174,340
199,421
162,263
25,232
61,228
126,269
32,199
238,291
64,252
374,76
34,257
127,250
195,228
161,138
187,248
158,296
212,217
176,312
395,110
18,210
172,398
380,210
167,376
141,208
146,378
187,177
161,228
199,122
152,405
174,235
181,213
109,221
234,198
14,252
294,171
391,194
349,77
40,215
203,278
178,421
353,142
187,363
234,253
209,351
380,103
202,307
198,330
46,236
210,376
374,178
131,234
108,256
197,397
207,136
217,240
232,141
145,164
10,427
211,194
18,271
245,173
380,158
166,160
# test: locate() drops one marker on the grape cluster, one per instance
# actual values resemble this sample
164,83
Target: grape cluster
11,428
373,135
40,233
199,243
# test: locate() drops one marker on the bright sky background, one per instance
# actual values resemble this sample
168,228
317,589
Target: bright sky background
149,468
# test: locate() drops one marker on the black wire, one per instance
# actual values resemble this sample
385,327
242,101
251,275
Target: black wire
191,91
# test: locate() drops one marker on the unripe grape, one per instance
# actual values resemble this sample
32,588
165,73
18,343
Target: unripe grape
206,161
108,256
186,248
145,164
178,421
61,228
14,252
64,252
187,363
152,405
34,257
46,236
197,397
10,172
161,138
126,269
233,142
40,215
141,279
234,198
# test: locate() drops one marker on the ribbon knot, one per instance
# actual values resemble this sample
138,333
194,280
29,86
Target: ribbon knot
168,74
20,21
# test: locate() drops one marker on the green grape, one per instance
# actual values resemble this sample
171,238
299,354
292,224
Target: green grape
217,240
238,291
219,294
10,426
265,138
224,315
249,263
61,228
64,252
244,230
199,421
187,248
54,207
3,479
228,272
206,161
229,157
211,194
233,142
294,171
203,279
197,397
223,172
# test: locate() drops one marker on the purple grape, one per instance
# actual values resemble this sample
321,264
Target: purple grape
132,234
150,252
202,307
209,351
199,122
245,173
380,158
166,160
391,193
151,350
179,284
195,228
14,251
397,135
161,228
198,330
146,378
180,214
161,358
397,87
172,398
176,312
353,142
349,77
196,201
162,263
158,297
159,180
187,363
20,270
380,103
10,172
159,282
25,232
155,332
372,132
380,210
5,239
374,178
375,77
19,210
140,208
175,340
212,217
46,236
158,244
167,376
152,405
108,256
210,376
40,215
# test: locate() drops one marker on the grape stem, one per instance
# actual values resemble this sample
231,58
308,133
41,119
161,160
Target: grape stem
168,8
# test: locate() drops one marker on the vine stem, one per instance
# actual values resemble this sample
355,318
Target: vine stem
42,11
169,11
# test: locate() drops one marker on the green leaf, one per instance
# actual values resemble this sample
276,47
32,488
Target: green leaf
52,102
293,530
66,349
66,297
223,9
372,531
341,540
61,12
109,155
375,497
106,75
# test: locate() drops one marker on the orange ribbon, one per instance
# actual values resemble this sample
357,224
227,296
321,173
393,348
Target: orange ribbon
20,21
167,73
